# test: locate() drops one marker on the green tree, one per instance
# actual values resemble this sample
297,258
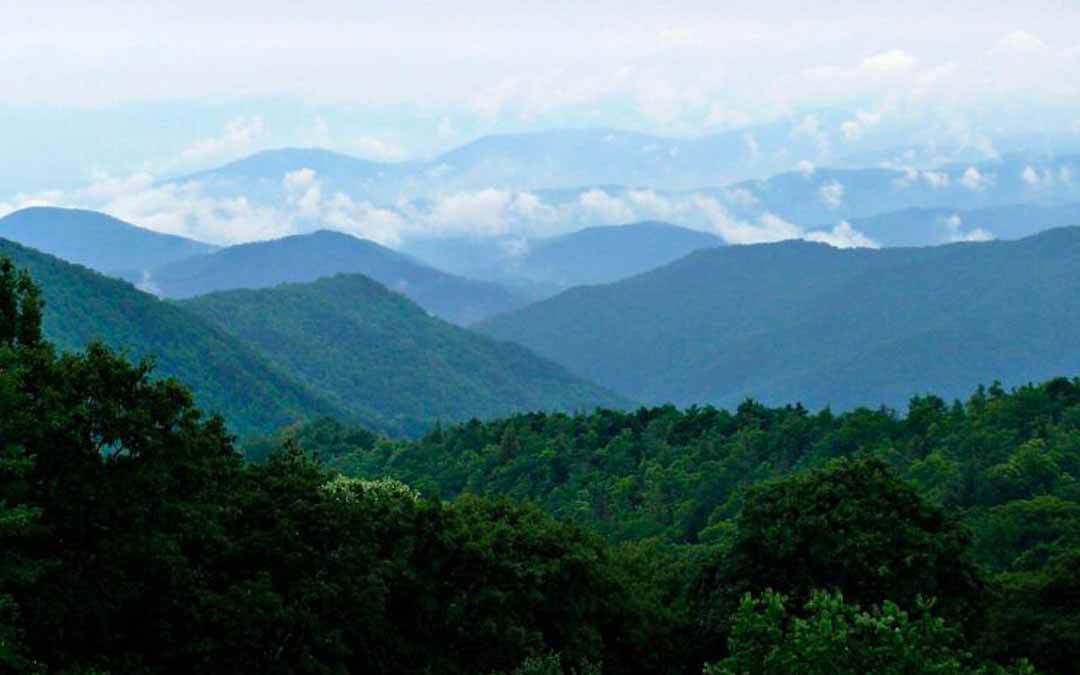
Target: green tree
851,527
833,637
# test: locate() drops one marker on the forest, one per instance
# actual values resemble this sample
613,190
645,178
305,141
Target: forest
140,536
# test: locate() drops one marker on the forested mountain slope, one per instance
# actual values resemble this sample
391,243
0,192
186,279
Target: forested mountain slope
803,321
324,253
359,343
226,375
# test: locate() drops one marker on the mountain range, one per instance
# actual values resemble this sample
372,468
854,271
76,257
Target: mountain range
345,347
799,321
226,375
593,255
351,339
96,240
324,253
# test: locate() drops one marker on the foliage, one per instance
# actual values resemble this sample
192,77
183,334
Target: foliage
799,321
834,637
136,540
227,376
373,351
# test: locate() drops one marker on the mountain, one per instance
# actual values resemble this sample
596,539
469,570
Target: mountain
830,195
549,158
324,253
354,340
594,255
931,226
96,240
804,321
227,376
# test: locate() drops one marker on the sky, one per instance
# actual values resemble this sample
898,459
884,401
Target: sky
111,89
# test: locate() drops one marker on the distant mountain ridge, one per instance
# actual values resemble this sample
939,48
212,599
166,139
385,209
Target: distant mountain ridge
96,240
354,341
803,321
324,253
590,177
593,255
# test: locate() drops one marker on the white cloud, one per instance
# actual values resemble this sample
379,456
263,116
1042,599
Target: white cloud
954,227
810,126
975,180
238,137
740,197
832,194
806,168
863,122
842,235
609,209
937,180
1030,175
378,149
725,118
766,228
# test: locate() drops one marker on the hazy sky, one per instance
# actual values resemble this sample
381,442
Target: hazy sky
117,87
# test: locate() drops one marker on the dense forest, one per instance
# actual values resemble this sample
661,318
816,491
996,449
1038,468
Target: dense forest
361,345
801,321
137,540
226,375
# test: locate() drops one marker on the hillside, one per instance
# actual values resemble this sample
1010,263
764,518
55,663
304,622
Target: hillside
226,375
308,257
932,226
96,240
594,255
802,321
358,342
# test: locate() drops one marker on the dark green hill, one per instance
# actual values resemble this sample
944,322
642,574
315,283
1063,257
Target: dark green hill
226,375
357,341
99,241
308,257
803,321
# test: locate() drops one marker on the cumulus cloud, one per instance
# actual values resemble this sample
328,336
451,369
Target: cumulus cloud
937,180
806,168
954,228
859,125
842,235
239,136
832,194
975,180
610,209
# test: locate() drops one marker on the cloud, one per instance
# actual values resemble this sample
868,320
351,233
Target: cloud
863,121
608,208
810,126
937,180
767,227
726,118
806,168
238,137
831,194
842,235
954,227
975,180
378,149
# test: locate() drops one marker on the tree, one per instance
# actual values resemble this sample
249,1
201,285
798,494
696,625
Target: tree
851,527
833,637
